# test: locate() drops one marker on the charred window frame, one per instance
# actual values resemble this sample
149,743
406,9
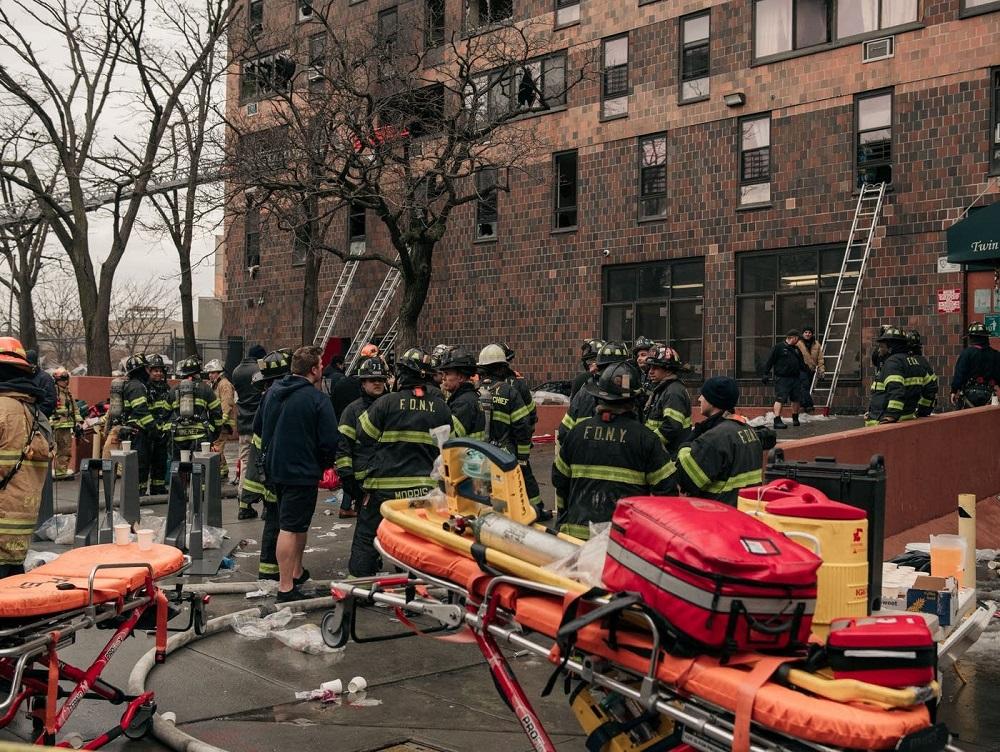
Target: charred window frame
255,17
755,160
317,61
487,209
614,77
695,57
435,13
653,176
873,126
485,13
539,85
564,190
266,75
357,226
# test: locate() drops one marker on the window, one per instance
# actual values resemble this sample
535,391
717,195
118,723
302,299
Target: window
695,67
861,16
614,77
435,22
486,12
317,61
785,25
486,204
251,233
565,190
995,123
266,75
305,10
388,27
255,16
567,12
874,141
540,84
755,160
357,230
263,152
977,6
782,290
653,176
661,300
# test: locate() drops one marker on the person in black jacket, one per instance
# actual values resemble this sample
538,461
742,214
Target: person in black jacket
333,373
588,361
352,457
247,401
467,417
977,371
44,381
298,441
786,362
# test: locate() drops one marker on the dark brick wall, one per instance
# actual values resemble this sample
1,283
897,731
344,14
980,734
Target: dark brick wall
541,290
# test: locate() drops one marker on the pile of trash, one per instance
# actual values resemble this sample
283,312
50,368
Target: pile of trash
306,638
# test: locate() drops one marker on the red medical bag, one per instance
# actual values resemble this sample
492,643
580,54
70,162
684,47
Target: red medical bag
890,651
719,577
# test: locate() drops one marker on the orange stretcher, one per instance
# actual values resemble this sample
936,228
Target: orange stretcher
743,704
106,586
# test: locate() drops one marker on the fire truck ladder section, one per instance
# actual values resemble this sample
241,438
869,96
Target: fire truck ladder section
845,299
383,298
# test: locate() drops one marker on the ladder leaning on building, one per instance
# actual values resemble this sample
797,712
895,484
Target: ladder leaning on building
837,332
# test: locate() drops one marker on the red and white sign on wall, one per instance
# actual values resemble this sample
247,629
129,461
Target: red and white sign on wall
950,300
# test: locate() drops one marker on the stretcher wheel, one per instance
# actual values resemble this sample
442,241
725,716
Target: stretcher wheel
142,722
334,627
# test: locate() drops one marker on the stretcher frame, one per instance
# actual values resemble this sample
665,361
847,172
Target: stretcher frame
706,727
26,644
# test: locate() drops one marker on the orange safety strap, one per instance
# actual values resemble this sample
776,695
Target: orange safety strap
161,622
52,695
759,675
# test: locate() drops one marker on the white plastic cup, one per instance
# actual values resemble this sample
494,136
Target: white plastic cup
335,686
206,447
145,539
126,446
121,535
357,684
185,455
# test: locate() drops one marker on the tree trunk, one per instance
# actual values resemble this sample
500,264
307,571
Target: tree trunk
27,330
187,303
310,295
416,282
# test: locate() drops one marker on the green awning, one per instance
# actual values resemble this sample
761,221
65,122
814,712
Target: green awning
976,238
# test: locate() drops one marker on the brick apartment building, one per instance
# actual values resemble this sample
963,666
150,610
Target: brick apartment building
701,189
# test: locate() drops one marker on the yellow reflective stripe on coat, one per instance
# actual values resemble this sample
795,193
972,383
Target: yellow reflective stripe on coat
561,465
409,437
524,448
662,474
349,431
894,379
692,468
345,462
480,435
520,414
567,422
895,405
367,426
677,415
255,440
608,472
500,417
457,427
577,531
401,482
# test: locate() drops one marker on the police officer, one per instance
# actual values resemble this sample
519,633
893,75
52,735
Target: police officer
352,457
898,383
608,456
977,371
519,383
396,428
929,379
457,369
669,412
725,452
65,425
158,396
136,421
226,393
582,406
588,360
271,367
196,413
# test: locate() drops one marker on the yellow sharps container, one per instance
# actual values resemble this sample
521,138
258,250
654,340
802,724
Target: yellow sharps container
838,531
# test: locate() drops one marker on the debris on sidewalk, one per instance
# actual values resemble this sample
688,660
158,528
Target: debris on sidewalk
305,639
257,628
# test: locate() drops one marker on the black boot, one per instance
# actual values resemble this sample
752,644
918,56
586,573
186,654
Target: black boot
795,419
779,424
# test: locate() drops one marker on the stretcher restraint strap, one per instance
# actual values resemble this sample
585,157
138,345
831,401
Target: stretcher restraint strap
161,625
52,693
747,694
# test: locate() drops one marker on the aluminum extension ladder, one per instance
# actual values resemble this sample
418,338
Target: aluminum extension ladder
845,298
383,298
329,320
389,339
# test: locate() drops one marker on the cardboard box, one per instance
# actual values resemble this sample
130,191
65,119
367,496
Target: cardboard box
934,595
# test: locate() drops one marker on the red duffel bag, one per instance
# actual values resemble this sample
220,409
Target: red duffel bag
720,578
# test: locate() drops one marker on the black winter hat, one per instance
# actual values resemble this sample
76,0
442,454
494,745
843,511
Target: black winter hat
722,392
256,352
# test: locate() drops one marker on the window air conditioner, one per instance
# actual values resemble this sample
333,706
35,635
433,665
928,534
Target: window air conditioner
878,49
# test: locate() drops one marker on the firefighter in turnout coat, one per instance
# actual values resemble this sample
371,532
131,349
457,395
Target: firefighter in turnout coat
669,412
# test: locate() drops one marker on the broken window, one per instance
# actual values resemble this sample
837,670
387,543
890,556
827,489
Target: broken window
265,75
485,12
486,205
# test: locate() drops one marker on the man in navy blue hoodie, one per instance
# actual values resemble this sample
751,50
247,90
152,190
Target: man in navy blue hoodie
298,430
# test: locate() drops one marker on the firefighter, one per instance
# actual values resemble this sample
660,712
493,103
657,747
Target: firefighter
467,417
436,377
582,406
158,395
669,411
135,421
247,401
352,457
786,362
66,426
25,450
396,429
898,381
588,360
196,414
226,393
640,351
273,366
929,379
725,452
977,371
608,456
519,383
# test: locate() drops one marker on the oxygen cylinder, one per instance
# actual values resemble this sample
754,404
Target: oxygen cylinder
116,401
185,394
521,541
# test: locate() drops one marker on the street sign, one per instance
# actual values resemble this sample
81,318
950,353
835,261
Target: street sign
992,323
949,300
946,267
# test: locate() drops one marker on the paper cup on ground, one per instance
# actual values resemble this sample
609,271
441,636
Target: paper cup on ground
145,539
357,684
126,446
336,686
185,455
121,535
206,447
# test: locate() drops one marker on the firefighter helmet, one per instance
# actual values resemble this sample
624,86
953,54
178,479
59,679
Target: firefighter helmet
492,355
214,366
275,364
134,363
155,361
12,353
189,367
913,338
508,351
664,357
611,352
590,348
373,368
892,334
413,361
458,359
976,329
642,343
619,382
369,351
